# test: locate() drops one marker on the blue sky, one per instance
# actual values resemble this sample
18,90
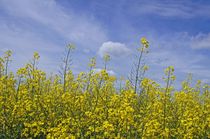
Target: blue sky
178,32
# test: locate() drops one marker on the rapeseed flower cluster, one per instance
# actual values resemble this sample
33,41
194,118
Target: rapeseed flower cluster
35,105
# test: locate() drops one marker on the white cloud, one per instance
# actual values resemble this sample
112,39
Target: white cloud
115,49
111,72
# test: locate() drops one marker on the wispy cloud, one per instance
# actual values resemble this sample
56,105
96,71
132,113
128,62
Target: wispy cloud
71,26
179,51
23,43
46,26
178,9
200,41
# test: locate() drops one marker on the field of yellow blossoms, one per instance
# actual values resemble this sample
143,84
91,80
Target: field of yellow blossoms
34,104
